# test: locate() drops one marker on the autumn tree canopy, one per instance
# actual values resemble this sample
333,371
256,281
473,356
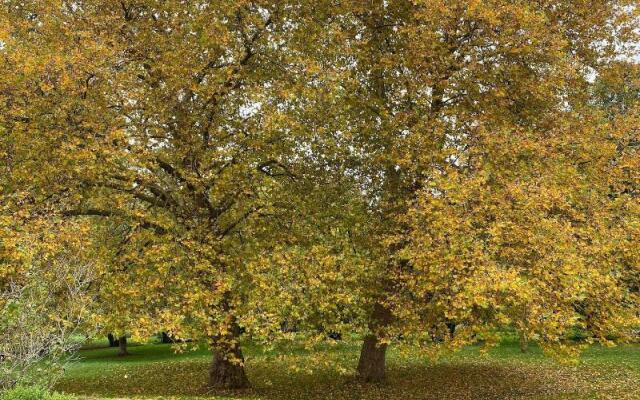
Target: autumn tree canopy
438,98
420,169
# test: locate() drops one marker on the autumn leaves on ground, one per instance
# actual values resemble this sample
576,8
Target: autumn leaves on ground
382,182
291,372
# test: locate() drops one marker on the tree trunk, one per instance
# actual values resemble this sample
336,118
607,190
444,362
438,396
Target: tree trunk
227,368
524,342
122,346
451,326
165,338
112,340
371,365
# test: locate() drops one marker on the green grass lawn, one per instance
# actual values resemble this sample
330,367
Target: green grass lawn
154,370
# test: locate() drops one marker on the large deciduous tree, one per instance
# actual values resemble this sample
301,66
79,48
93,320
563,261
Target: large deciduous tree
422,86
165,116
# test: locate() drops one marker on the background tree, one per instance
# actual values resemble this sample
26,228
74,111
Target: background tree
529,237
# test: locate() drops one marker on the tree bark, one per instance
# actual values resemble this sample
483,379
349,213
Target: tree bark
122,346
227,369
112,340
371,365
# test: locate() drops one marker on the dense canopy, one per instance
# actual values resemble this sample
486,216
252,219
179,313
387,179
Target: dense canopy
422,170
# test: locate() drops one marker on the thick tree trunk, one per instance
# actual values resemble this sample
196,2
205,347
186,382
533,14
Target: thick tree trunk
122,346
371,365
112,340
227,368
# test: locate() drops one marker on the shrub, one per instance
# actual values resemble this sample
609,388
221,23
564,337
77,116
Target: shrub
32,393
41,314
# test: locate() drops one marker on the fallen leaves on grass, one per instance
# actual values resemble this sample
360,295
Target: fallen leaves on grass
317,376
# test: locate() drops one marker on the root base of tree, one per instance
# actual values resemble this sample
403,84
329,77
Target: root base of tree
225,374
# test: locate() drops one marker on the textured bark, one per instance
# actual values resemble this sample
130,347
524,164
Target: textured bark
371,365
122,346
227,368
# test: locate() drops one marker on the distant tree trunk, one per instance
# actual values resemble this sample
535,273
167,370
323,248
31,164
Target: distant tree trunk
227,368
451,326
371,365
113,342
122,346
165,338
524,342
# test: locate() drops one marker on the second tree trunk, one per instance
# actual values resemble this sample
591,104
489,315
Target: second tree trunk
371,365
122,346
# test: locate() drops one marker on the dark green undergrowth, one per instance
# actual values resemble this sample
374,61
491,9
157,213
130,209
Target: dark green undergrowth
293,372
